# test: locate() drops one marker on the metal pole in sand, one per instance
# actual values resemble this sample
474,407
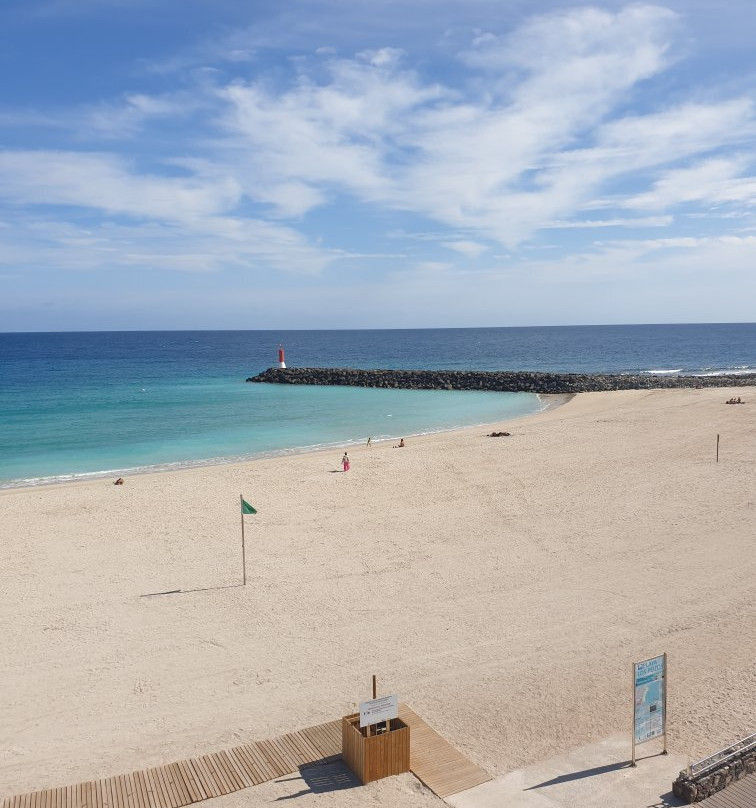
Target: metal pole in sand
632,761
664,703
244,558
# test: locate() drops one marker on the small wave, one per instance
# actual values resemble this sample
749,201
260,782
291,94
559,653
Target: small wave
663,372
738,370
177,465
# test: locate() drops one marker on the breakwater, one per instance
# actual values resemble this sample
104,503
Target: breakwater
501,381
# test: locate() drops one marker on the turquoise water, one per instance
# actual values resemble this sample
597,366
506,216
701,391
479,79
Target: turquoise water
78,404
127,427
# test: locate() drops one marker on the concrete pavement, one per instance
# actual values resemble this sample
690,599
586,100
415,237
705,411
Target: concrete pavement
594,776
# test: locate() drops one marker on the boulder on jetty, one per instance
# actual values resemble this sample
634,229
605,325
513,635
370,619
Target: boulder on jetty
501,381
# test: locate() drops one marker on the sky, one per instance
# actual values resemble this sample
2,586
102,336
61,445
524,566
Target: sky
245,164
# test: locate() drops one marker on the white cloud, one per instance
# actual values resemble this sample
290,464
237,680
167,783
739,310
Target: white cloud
716,180
585,49
639,222
209,245
129,115
532,131
506,159
432,267
106,183
676,132
470,249
171,222
331,136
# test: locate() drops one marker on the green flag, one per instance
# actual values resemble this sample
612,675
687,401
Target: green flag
246,507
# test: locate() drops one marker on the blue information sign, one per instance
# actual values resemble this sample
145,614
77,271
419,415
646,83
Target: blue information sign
649,679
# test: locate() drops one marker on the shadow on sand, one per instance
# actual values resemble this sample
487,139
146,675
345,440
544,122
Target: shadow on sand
321,778
187,591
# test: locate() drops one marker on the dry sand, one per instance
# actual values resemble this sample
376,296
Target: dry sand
501,586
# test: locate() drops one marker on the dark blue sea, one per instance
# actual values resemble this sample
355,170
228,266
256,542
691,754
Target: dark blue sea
74,405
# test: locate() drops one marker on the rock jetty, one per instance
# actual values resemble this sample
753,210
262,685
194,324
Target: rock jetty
503,381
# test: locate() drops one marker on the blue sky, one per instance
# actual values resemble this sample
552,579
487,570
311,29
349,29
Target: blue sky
347,164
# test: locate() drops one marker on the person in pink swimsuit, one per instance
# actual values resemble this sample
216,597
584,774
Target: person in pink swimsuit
345,462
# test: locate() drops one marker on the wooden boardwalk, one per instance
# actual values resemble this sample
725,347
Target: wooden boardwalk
432,760
435,762
187,781
737,795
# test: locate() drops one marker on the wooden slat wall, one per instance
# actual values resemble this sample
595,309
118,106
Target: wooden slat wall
372,758
388,754
352,751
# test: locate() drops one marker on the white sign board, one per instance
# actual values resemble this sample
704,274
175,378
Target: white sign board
378,710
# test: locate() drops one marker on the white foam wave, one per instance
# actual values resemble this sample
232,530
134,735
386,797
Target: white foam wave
736,370
739,370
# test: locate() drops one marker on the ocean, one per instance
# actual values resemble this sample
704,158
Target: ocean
78,405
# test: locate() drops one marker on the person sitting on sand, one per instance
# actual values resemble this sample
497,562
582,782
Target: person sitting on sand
119,481
400,445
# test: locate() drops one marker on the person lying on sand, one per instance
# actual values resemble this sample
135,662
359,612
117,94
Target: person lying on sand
499,434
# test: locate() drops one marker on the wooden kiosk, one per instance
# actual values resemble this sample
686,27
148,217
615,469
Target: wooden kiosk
375,742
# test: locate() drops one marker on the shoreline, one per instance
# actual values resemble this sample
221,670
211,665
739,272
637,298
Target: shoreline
548,401
469,574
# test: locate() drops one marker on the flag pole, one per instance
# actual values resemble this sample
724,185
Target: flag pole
244,559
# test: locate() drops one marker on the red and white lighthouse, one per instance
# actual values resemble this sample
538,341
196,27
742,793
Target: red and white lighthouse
281,362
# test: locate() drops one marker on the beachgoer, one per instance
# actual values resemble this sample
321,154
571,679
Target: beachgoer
400,445
119,481
345,462
368,443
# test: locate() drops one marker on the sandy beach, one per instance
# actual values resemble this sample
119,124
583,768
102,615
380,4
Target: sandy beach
500,586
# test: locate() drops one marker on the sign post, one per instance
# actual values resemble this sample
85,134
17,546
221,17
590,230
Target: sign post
649,701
